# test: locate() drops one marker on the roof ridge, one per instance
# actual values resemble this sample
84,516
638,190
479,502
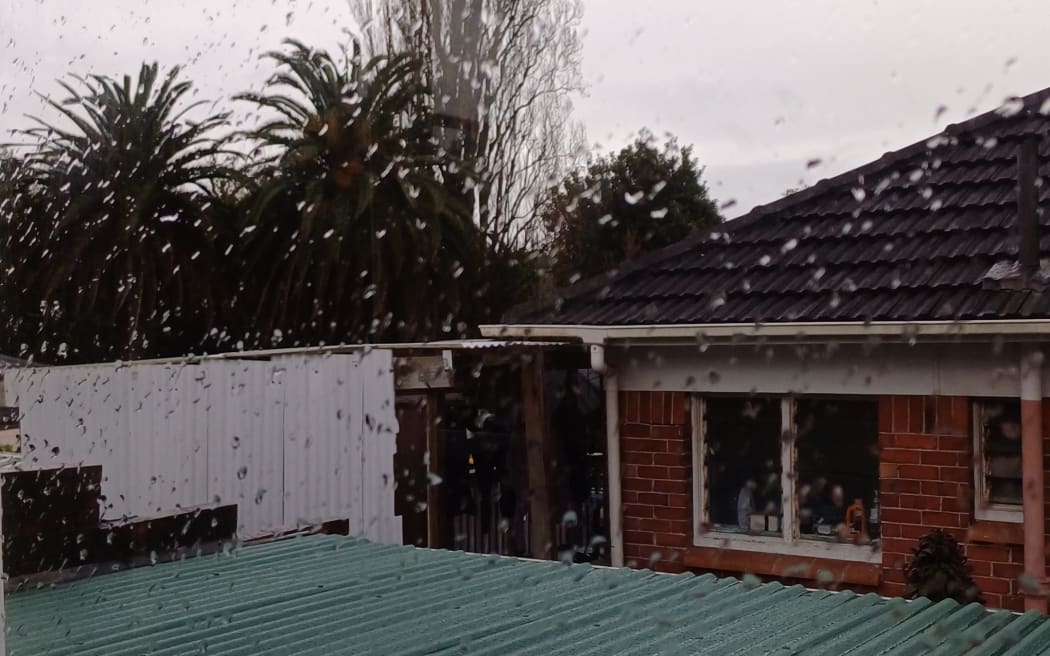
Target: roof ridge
1028,106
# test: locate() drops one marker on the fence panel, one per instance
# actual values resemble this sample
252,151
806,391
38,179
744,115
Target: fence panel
294,440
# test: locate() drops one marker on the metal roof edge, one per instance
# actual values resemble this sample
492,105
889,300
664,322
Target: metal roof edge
1030,103
599,334
335,349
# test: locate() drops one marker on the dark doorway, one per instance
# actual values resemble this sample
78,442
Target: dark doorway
410,469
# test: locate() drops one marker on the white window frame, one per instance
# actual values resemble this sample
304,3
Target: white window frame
993,512
789,542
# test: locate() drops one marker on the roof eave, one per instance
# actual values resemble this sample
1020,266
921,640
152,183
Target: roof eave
1028,329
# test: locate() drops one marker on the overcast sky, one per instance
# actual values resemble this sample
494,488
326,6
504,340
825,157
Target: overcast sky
758,88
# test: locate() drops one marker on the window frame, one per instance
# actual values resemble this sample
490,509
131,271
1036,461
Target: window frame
789,542
992,512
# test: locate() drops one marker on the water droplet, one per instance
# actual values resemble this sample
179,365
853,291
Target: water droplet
242,473
1011,107
750,581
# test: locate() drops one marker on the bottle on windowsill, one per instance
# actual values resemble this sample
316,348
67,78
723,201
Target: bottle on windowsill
873,518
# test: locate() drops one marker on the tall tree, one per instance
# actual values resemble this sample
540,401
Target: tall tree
10,174
624,205
109,249
503,73
9,168
360,227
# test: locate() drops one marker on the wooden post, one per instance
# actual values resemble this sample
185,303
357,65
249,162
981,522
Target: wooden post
540,535
614,477
436,511
1032,480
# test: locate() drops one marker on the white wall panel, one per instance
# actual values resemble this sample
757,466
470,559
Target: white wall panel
293,441
922,369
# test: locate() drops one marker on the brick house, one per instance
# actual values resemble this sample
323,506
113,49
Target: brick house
804,391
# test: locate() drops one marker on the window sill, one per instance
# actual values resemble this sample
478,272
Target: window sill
1006,515
989,532
810,548
813,561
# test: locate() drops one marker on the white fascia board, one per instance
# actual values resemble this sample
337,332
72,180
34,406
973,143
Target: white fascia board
1035,328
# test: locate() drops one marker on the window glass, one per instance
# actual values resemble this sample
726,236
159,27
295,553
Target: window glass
9,435
743,464
838,468
999,431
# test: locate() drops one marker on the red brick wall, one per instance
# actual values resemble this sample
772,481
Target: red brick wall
657,497
926,482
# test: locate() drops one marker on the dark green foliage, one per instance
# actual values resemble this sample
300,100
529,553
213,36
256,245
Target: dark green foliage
938,570
130,228
624,205
109,247
359,225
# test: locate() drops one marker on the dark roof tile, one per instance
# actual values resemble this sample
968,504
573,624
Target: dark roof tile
907,237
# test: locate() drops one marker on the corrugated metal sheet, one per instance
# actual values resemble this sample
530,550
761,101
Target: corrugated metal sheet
293,440
930,220
328,595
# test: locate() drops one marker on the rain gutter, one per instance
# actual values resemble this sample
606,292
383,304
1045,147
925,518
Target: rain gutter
592,334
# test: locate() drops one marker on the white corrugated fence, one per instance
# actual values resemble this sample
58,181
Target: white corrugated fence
293,440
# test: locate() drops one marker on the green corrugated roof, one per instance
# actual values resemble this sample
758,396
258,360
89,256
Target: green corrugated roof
329,595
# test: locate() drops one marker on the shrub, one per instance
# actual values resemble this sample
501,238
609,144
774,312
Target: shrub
939,570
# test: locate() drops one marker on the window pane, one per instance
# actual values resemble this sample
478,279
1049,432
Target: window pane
743,464
1001,446
838,468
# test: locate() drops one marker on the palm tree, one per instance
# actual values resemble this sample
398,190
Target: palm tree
111,248
360,226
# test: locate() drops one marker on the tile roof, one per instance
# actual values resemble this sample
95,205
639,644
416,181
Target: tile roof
330,595
905,238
